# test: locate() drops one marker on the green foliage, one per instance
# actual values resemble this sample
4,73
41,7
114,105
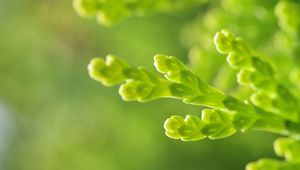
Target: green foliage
272,107
269,94
109,12
286,147
142,85
272,103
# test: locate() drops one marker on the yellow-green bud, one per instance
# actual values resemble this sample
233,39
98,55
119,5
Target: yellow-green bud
108,72
243,76
289,148
237,60
172,125
188,129
262,99
239,46
210,116
135,90
223,41
167,64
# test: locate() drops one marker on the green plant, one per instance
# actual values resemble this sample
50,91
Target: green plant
108,12
272,104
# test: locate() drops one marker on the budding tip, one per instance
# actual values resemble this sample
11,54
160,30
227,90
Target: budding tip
159,63
128,91
222,41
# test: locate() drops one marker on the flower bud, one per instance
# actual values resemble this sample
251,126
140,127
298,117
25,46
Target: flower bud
211,116
243,76
289,148
188,129
239,46
237,60
135,90
281,146
107,72
223,40
165,64
172,125
262,99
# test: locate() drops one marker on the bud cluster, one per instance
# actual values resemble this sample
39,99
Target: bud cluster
214,124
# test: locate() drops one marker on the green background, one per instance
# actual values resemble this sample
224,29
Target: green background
54,117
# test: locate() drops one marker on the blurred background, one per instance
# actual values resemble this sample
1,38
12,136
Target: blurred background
54,117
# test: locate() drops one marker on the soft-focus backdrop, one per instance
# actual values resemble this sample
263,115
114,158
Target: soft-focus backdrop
54,117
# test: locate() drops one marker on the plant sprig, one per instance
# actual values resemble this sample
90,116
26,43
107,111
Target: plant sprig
231,114
108,12
272,105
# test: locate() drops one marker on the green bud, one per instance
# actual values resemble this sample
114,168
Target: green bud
259,81
223,41
289,148
194,126
243,76
107,72
98,70
172,125
218,124
187,85
135,90
128,90
262,99
168,64
160,61
237,60
240,47
188,129
281,146
211,116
